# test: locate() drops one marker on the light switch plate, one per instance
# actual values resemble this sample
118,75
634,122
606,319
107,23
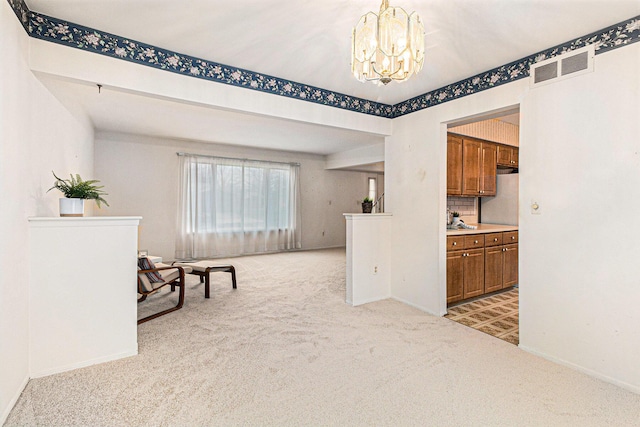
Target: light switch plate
536,209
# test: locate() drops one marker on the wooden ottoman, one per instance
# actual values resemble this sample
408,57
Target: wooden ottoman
203,269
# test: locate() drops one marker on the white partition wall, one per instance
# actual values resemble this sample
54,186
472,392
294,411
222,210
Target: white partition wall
368,269
82,293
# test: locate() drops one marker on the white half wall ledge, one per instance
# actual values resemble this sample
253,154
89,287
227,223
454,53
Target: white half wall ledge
84,221
368,255
78,318
113,74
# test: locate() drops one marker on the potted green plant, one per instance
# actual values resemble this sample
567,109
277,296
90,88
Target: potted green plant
367,205
76,191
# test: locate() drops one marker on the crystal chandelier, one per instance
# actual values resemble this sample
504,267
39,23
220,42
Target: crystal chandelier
388,46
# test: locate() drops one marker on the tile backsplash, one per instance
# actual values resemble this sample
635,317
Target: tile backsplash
467,206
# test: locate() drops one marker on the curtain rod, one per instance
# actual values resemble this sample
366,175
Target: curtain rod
179,153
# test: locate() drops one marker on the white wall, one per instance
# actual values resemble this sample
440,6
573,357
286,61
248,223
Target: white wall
37,135
579,269
579,158
415,180
141,176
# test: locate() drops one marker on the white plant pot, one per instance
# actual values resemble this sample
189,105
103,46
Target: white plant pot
71,207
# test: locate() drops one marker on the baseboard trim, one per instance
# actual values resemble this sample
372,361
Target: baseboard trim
13,401
419,307
369,300
587,371
321,248
84,363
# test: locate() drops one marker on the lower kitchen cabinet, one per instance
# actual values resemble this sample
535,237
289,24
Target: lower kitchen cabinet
455,276
473,273
493,268
465,274
487,263
500,267
510,267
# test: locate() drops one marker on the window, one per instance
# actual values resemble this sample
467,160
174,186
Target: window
372,188
230,207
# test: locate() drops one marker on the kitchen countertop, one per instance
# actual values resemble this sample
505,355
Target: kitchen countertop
482,228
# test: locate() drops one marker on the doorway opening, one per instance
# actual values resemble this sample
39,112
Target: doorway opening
482,223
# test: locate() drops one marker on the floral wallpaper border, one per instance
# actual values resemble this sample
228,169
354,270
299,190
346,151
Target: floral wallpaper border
613,37
22,12
75,35
80,37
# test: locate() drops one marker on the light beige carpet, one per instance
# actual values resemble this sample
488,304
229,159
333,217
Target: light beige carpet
285,350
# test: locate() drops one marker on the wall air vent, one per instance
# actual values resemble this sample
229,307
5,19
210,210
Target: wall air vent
570,64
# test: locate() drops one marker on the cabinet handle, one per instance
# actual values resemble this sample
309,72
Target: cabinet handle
495,239
513,237
504,249
455,243
475,241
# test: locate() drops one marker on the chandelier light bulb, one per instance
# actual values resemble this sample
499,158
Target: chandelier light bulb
387,46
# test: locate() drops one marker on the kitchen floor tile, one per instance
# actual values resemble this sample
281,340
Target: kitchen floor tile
496,315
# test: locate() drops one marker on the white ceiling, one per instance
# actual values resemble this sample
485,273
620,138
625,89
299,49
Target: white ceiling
308,41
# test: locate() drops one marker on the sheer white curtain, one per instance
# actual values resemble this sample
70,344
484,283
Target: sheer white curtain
232,207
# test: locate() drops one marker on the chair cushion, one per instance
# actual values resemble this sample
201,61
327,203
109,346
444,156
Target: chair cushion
169,274
145,263
186,269
200,266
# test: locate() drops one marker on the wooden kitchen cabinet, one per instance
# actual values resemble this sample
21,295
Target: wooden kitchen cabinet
465,268
493,268
510,266
507,156
454,165
455,276
500,267
471,167
488,169
481,263
471,162
473,263
465,274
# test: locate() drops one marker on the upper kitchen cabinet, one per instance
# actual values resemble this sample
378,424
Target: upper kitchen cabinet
507,156
488,169
454,165
471,167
